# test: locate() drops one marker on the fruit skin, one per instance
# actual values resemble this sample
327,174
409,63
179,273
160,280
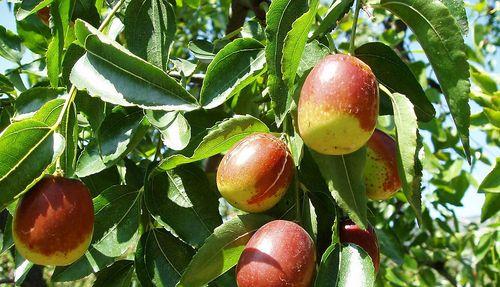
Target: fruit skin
338,105
255,174
366,239
381,170
54,222
44,15
280,253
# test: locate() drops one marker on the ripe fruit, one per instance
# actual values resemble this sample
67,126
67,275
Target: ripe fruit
366,239
255,174
44,15
53,223
280,253
381,169
338,105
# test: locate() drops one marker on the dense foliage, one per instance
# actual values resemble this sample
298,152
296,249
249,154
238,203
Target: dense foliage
140,98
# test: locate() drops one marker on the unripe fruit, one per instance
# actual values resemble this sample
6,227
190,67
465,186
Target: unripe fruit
279,254
338,105
255,174
366,239
44,15
381,170
54,221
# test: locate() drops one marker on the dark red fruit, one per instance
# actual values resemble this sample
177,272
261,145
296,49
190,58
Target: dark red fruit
366,239
54,222
279,254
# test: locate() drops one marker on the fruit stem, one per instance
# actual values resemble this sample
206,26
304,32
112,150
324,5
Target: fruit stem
354,26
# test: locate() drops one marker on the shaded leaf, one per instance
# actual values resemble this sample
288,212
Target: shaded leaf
394,74
174,128
117,275
244,58
92,261
161,258
10,46
150,30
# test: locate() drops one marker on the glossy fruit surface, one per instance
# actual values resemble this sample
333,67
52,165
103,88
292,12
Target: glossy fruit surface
366,239
255,174
338,105
279,254
381,170
54,221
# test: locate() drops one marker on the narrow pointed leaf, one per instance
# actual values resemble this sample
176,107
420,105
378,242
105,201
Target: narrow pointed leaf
440,37
279,20
410,170
338,10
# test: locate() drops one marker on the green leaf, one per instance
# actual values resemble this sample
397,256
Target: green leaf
117,76
34,33
409,145
69,130
91,262
440,37
117,275
244,58
118,130
71,56
328,271
202,50
344,177
11,47
181,199
221,250
150,30
30,7
217,139
393,73
338,9
60,15
356,267
491,206
493,116
295,42
279,19
195,4
103,180
491,183
174,128
117,211
161,258
457,9
6,85
33,99
91,108
27,149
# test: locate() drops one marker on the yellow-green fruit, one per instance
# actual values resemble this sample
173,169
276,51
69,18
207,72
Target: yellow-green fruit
338,105
381,170
255,174
54,222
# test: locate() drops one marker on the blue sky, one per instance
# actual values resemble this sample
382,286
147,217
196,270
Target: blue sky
472,201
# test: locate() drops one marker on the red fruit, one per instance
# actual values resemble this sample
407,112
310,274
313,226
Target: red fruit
279,254
366,239
381,170
44,15
338,105
54,221
255,174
